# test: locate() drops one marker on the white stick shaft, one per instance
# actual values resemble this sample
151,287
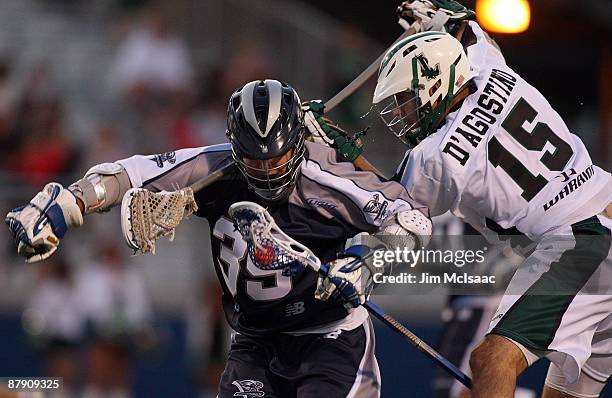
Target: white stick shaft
361,79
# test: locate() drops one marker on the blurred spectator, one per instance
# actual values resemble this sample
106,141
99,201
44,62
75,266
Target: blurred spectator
152,60
174,118
54,322
250,60
210,117
153,74
38,164
207,337
247,62
106,146
8,103
114,300
104,298
8,99
42,151
8,90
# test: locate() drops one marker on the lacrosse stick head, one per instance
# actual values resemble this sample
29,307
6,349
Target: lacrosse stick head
268,246
147,216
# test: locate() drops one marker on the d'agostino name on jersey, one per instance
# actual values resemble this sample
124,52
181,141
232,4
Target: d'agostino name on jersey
476,124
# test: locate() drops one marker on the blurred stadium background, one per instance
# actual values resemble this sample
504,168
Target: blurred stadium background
88,81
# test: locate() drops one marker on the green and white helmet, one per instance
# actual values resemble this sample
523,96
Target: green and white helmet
417,81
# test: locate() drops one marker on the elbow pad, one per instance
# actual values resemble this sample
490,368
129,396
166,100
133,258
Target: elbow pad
409,228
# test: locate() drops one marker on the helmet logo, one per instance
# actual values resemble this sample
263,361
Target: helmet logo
427,71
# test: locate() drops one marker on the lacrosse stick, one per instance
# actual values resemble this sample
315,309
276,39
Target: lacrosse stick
270,248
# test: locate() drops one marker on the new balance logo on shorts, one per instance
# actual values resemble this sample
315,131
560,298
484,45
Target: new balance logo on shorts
294,309
248,388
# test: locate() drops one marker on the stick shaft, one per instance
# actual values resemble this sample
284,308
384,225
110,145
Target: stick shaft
361,79
225,171
419,344
363,164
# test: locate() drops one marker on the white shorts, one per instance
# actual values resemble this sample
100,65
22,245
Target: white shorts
559,302
593,378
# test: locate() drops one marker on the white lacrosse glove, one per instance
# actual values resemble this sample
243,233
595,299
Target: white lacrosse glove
426,15
348,276
38,226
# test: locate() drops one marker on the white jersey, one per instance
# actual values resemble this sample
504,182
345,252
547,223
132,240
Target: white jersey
505,159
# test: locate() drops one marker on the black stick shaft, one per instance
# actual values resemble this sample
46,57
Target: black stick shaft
213,177
419,344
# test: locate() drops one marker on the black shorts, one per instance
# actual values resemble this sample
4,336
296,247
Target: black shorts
333,365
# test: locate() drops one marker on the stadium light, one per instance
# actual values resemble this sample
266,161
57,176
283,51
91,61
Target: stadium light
503,16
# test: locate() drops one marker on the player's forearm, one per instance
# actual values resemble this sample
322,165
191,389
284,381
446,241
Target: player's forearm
102,188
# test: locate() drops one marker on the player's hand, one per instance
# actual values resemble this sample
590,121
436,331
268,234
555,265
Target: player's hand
349,277
316,125
324,131
425,15
38,226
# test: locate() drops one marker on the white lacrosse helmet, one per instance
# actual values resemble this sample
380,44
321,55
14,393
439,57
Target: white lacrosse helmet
417,81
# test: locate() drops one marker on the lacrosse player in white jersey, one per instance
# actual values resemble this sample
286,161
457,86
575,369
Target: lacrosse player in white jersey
488,146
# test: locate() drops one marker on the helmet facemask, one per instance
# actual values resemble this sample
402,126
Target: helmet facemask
271,179
407,117
401,113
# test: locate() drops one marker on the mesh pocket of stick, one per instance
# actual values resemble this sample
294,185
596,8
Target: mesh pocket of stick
268,247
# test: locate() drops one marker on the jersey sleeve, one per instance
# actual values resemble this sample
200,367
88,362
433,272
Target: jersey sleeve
173,170
483,53
359,198
428,179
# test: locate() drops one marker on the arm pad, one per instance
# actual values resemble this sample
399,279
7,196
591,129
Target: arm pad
102,187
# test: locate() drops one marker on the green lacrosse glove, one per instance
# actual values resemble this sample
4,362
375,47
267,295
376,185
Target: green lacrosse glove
323,131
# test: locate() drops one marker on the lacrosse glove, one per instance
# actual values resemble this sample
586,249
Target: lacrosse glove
323,131
349,277
38,226
436,15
